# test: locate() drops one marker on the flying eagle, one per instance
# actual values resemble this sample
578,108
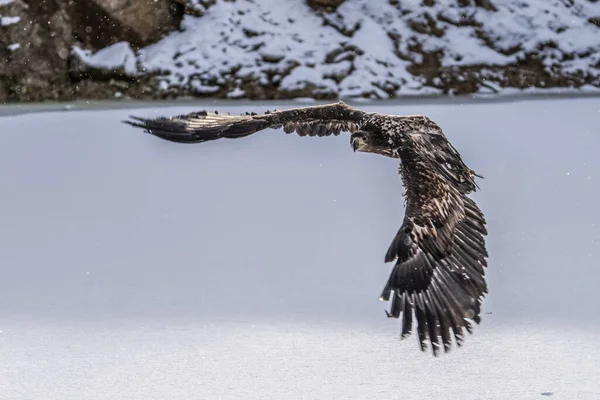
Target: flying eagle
439,251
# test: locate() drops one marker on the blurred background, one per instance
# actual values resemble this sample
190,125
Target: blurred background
278,49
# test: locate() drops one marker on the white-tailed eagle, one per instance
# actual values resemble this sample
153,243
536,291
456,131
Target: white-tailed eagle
439,251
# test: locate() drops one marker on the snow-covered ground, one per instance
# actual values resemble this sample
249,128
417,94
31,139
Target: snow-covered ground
365,48
140,269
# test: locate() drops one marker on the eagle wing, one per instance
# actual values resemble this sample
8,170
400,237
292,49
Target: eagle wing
325,120
439,255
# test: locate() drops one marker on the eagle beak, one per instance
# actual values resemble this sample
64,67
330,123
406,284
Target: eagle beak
355,144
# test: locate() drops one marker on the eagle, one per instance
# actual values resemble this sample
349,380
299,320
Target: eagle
439,252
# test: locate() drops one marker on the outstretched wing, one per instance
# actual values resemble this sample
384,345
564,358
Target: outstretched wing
204,126
440,257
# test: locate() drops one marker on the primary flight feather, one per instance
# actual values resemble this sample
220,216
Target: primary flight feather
439,252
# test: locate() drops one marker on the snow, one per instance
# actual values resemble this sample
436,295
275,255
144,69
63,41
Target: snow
236,93
351,52
118,55
251,268
13,46
5,21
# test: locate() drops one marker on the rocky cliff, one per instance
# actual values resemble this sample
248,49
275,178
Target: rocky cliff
269,49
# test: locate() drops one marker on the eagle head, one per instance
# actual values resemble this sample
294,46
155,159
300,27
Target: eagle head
358,140
364,142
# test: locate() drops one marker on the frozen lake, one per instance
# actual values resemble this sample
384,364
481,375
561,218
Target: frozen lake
136,268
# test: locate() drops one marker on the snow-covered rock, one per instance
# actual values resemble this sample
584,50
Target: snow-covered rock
119,56
380,48
272,49
38,38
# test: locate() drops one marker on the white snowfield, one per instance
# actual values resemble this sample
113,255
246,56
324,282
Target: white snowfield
363,49
135,268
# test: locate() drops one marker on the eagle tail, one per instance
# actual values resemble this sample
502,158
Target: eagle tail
201,126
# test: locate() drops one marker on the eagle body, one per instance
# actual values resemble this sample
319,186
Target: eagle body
437,283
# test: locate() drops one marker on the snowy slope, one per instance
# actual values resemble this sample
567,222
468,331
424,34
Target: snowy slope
137,268
376,48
